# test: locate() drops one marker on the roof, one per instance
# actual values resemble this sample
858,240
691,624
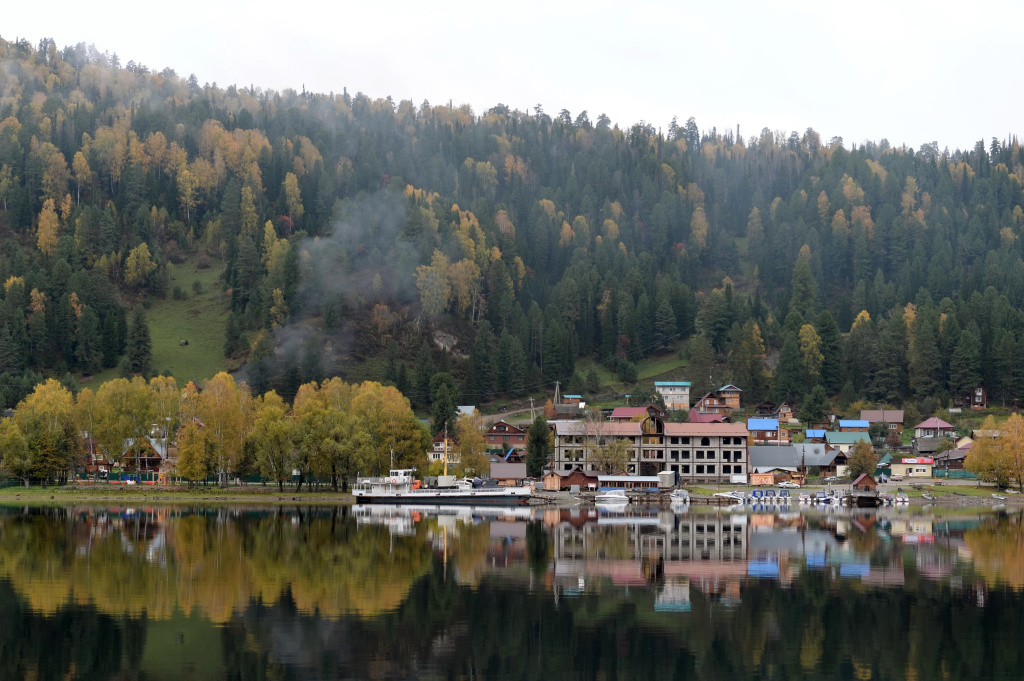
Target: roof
573,397
862,476
851,423
929,444
762,424
814,433
882,415
768,456
514,429
933,422
834,438
729,387
673,384
632,429
628,478
705,417
708,429
508,470
628,412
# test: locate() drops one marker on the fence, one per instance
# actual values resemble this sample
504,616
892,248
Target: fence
954,475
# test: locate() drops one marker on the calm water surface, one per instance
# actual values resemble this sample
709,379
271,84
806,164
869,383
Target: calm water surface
385,593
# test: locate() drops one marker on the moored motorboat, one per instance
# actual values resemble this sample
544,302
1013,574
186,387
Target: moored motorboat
399,487
679,495
612,496
735,497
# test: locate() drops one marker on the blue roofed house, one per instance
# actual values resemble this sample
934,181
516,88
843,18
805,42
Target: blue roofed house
853,426
767,431
814,435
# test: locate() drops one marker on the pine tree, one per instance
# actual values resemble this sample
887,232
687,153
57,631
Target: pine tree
424,372
965,364
232,336
88,342
140,347
814,407
831,351
789,384
538,447
443,402
925,361
109,340
664,326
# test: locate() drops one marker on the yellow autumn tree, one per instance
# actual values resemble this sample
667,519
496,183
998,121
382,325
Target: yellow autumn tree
138,266
48,229
699,229
434,285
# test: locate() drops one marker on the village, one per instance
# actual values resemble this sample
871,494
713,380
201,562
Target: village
719,444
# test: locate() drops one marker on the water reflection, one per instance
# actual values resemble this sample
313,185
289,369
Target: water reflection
399,592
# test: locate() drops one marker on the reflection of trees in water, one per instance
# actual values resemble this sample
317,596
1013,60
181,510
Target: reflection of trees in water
316,596
997,551
324,564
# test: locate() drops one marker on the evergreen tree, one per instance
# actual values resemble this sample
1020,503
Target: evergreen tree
10,359
831,351
140,347
232,336
480,378
664,326
443,402
516,368
965,364
789,384
424,372
538,447
815,406
109,340
88,342
925,361
889,383
804,288
701,367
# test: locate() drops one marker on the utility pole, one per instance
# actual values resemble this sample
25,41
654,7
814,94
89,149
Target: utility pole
531,408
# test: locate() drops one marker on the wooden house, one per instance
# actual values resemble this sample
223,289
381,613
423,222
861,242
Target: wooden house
865,483
730,396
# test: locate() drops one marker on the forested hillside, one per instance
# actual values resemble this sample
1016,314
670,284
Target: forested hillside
351,228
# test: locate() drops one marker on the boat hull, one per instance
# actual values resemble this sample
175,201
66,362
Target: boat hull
506,497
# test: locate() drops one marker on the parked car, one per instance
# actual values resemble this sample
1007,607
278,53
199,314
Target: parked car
896,478
834,478
787,484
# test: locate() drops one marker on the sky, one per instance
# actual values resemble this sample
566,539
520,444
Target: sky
909,71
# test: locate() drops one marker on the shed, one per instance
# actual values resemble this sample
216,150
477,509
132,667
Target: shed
638,482
508,474
865,483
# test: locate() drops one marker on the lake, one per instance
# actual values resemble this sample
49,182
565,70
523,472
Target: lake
90,592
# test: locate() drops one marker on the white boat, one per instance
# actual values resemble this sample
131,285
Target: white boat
679,495
1000,497
400,487
736,497
612,496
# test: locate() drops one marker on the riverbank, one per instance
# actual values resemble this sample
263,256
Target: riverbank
78,493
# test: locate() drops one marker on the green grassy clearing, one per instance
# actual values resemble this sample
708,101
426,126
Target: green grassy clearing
201,319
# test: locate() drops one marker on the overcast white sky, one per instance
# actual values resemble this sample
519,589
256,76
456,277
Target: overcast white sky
909,71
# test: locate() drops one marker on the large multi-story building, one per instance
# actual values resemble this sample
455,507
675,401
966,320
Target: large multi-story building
696,452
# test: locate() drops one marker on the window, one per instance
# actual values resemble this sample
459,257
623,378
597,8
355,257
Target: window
686,454
700,470
711,455
685,440
727,456
675,441
705,442
726,470
674,455
711,470
686,470
700,453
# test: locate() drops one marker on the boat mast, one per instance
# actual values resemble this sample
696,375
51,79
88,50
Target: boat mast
446,448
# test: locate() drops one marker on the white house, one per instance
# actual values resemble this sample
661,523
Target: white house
675,393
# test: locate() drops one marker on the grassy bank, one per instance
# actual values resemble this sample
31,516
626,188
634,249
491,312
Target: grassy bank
148,494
